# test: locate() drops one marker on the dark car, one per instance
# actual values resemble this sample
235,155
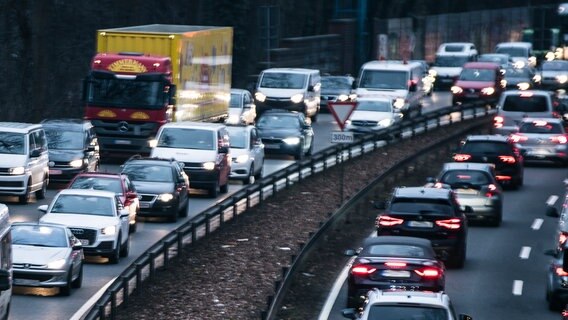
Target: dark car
475,185
393,263
429,213
73,148
496,149
561,234
520,78
115,182
335,88
556,279
502,59
478,81
286,132
161,184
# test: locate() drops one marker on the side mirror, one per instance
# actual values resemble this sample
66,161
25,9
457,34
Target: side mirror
431,180
349,313
172,94
43,208
310,88
412,87
467,209
350,252
223,149
354,85
381,204
35,153
77,246
91,148
552,212
131,195
5,280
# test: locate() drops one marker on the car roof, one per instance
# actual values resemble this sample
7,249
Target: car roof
515,44
552,120
397,65
482,65
155,161
291,70
37,223
194,124
18,127
422,192
89,192
73,124
487,137
411,297
375,98
526,92
100,175
397,240
467,166
238,91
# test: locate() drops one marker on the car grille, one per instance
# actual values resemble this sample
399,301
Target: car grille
364,123
12,184
29,266
86,234
27,276
105,245
4,171
147,197
271,140
61,165
192,165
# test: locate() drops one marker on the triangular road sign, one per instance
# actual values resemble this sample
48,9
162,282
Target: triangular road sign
341,111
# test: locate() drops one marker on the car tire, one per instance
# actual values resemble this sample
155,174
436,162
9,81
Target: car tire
183,211
260,173
300,154
25,198
125,249
40,194
133,227
114,258
77,283
250,178
554,304
214,191
457,261
66,290
224,188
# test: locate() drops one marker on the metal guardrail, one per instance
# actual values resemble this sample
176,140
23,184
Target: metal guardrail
158,256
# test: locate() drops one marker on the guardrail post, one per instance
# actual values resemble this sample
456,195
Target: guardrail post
152,265
193,234
207,223
249,192
138,278
166,250
300,177
274,185
179,239
112,304
125,290
102,315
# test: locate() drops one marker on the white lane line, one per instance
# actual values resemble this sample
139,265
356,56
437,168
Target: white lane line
537,224
324,314
517,287
552,200
525,252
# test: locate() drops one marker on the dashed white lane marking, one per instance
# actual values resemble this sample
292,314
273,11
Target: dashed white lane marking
552,200
525,252
517,287
537,223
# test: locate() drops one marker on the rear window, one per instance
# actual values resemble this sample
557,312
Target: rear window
540,127
454,48
421,206
397,312
488,147
470,177
395,250
531,103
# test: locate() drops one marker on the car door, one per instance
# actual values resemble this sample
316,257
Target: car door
122,213
307,132
181,186
249,108
257,149
77,255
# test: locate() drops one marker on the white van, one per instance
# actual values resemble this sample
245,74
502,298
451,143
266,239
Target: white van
24,160
521,53
5,262
401,81
449,62
293,89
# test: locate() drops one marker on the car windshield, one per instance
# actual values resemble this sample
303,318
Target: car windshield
377,106
236,100
517,73
398,312
186,138
61,139
493,58
83,204
237,137
487,147
450,61
525,103
332,84
539,126
148,172
97,183
421,206
555,66
39,235
465,178
394,250
283,80
471,74
513,51
12,143
278,121
384,79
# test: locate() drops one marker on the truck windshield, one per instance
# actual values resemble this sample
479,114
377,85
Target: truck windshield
384,79
126,93
450,61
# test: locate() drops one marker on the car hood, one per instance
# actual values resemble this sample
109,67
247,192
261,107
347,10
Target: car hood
447,71
153,187
79,220
65,155
370,115
37,255
335,91
280,93
12,160
382,93
474,84
278,133
515,80
185,155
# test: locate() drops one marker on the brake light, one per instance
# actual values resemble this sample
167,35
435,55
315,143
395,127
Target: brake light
452,224
491,190
501,178
462,157
561,272
431,273
387,221
562,239
559,139
507,159
438,185
498,121
395,264
362,269
518,138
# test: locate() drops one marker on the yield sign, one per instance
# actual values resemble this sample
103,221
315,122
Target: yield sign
341,111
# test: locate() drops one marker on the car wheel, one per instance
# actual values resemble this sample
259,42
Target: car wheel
260,173
174,212
250,178
183,211
224,188
352,301
457,261
133,227
300,154
66,290
114,258
25,198
554,304
77,283
40,194
214,191
125,249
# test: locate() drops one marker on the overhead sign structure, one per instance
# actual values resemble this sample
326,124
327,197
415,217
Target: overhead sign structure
341,111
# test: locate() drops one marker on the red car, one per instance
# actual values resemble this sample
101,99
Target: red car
478,81
115,182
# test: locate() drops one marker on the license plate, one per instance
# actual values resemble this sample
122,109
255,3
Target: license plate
144,205
122,141
272,146
466,191
84,242
53,171
25,282
396,273
471,95
420,224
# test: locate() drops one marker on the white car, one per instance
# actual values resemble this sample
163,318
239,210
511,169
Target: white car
373,114
96,217
247,153
242,109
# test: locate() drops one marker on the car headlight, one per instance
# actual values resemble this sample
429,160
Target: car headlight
385,122
562,79
165,197
297,98
347,121
293,140
152,143
259,96
352,96
456,90
342,97
109,231
76,163
17,170
519,64
432,73
523,86
242,158
537,78
488,91
398,103
209,165
233,119
57,264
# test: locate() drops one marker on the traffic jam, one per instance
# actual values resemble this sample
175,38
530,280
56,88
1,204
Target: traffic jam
170,157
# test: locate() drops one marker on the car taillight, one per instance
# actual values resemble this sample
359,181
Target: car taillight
507,159
395,264
559,139
431,273
518,138
388,221
561,272
462,157
503,178
438,185
452,224
363,269
562,239
498,121
491,190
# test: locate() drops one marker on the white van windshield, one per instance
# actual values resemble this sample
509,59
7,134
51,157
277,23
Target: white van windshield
12,143
186,138
282,80
384,79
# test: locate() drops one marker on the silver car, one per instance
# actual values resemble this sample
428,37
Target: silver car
46,255
247,153
542,139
